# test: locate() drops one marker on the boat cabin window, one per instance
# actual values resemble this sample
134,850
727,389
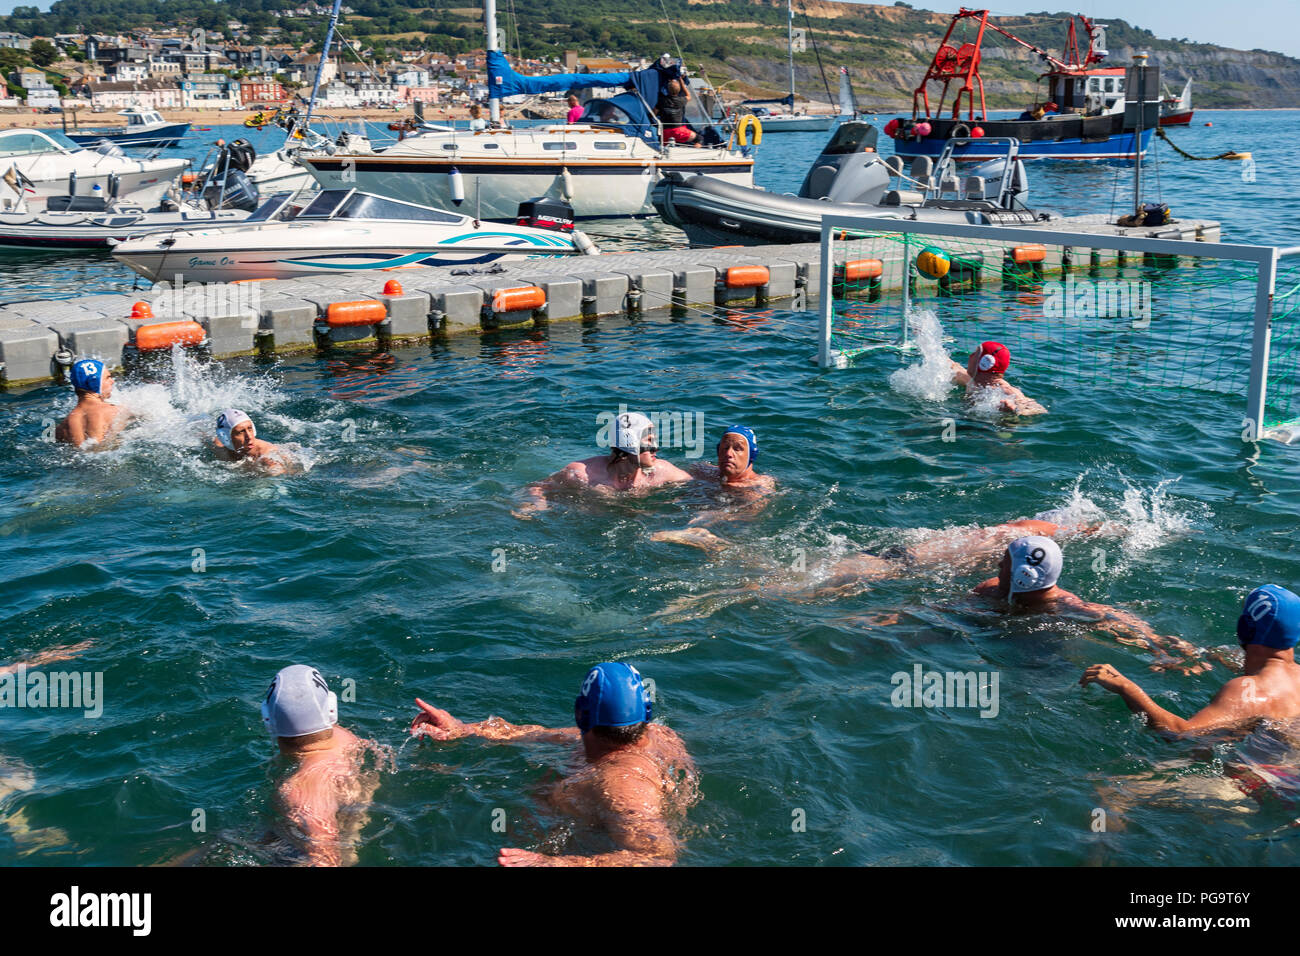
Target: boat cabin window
366,206
20,142
324,205
604,113
559,144
267,211
610,145
450,146
491,145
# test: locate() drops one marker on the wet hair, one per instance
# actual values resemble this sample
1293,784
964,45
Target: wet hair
620,735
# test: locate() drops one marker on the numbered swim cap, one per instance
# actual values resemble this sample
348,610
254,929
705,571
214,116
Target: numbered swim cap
629,433
227,422
1035,564
1270,616
612,696
299,703
87,375
747,434
994,357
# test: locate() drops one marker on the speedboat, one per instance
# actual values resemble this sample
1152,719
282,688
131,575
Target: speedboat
850,178
82,222
37,164
144,128
342,231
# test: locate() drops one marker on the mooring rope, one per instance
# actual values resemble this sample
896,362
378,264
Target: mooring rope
1230,154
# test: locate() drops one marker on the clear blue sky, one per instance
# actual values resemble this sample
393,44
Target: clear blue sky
1263,24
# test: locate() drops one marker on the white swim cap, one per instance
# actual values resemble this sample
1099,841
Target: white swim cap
227,422
629,433
1035,564
299,703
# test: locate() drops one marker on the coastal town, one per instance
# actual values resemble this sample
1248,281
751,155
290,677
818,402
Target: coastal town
177,72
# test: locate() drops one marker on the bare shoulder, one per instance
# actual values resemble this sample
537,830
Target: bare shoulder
667,471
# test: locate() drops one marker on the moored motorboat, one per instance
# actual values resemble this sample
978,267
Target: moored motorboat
144,129
343,231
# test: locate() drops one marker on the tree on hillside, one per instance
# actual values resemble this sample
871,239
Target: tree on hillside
43,52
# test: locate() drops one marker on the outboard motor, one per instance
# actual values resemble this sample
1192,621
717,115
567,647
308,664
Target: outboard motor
240,155
546,213
240,193
849,169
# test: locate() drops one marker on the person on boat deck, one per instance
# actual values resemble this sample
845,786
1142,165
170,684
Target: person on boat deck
476,120
984,370
1268,630
1026,584
636,776
575,109
633,464
237,441
672,113
94,418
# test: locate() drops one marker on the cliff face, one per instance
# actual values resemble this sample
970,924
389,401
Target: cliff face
887,50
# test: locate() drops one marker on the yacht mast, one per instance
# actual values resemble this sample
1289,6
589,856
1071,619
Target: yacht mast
490,22
324,58
789,6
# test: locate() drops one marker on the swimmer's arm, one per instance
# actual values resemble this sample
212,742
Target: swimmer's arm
573,474
959,374
71,431
120,421
635,825
440,725
1121,623
1220,712
40,659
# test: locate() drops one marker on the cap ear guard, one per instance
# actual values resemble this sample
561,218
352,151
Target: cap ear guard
987,362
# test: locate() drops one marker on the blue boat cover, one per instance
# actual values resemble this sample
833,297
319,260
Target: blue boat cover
503,81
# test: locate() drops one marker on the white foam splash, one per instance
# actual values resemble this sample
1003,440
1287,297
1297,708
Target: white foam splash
931,378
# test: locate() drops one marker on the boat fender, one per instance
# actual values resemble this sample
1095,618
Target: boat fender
584,245
566,184
457,185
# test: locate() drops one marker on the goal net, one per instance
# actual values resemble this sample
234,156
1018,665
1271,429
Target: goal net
1139,313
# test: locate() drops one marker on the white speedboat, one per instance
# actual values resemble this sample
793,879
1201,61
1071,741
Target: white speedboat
339,232
793,122
85,223
37,164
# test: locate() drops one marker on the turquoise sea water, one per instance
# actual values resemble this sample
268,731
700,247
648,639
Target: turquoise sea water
377,566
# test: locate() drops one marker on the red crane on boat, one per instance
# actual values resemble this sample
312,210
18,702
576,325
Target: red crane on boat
963,63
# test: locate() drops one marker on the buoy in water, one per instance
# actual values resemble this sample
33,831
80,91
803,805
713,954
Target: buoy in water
457,186
1209,124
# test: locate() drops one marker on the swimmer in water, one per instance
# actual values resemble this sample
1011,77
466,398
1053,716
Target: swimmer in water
325,795
633,464
737,452
946,550
94,418
636,774
1026,584
985,370
237,441
1268,630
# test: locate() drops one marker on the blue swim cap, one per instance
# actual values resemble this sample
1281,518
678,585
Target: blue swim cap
612,696
747,434
1270,616
87,375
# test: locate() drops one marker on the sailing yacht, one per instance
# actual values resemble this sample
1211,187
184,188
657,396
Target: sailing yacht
789,121
605,165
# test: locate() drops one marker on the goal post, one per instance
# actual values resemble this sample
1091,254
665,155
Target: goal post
1177,313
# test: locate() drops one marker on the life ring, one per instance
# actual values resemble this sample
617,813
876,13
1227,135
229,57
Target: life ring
960,131
749,124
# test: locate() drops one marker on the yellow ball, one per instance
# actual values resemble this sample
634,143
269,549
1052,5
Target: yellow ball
932,263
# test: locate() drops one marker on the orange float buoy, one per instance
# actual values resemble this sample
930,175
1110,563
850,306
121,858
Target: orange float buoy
1209,124
363,312
392,287
163,335
1030,253
857,269
746,277
141,310
525,298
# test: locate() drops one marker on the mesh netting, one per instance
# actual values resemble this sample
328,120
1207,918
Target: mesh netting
1103,317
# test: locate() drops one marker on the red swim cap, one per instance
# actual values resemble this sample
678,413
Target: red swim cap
994,357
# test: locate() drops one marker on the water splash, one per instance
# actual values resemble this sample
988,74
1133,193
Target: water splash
931,378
